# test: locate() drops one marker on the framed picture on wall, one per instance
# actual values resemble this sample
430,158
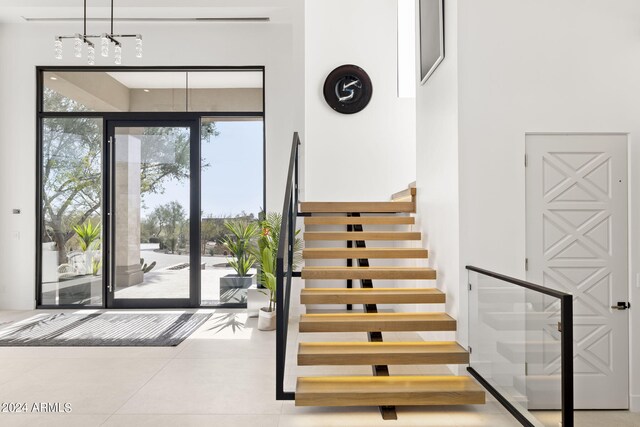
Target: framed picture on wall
431,21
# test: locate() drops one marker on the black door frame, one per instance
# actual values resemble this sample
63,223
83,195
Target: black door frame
154,117
194,214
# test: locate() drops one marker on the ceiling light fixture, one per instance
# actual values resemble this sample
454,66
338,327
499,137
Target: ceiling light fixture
105,42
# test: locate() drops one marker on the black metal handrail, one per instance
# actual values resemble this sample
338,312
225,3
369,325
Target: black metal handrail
566,348
284,275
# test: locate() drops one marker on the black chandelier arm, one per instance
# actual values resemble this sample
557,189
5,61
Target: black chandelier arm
104,37
111,16
123,35
93,36
84,20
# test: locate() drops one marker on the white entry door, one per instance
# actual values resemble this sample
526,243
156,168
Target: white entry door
577,243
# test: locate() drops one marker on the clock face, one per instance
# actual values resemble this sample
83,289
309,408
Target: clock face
348,89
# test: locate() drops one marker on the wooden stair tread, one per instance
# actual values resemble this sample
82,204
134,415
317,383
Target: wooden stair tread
372,296
364,220
355,253
357,207
392,390
376,322
381,353
379,273
362,235
406,195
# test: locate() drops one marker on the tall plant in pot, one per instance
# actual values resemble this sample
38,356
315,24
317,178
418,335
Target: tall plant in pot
241,245
267,258
89,236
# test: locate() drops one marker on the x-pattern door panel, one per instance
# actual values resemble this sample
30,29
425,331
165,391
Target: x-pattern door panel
577,243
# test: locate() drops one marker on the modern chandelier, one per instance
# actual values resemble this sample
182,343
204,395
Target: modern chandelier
80,40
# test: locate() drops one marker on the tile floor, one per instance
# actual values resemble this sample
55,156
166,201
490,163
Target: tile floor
223,375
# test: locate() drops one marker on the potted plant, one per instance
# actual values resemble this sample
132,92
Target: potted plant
240,244
267,315
88,262
267,258
89,237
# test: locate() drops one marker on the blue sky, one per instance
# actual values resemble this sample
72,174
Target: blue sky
232,182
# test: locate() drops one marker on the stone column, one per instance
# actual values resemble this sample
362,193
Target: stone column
127,204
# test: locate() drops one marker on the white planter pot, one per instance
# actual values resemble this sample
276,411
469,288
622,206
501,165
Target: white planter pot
266,319
256,298
88,262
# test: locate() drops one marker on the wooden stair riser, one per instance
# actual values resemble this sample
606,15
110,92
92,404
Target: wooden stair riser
372,296
368,253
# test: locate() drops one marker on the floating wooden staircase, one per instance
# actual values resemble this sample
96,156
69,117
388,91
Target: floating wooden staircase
381,389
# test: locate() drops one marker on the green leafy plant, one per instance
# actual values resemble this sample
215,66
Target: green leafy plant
88,235
268,276
146,268
96,265
268,253
240,244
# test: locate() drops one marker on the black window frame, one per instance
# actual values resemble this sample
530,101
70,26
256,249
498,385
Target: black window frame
155,117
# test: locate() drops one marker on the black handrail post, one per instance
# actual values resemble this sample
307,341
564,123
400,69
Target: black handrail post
281,343
566,343
290,239
284,277
296,172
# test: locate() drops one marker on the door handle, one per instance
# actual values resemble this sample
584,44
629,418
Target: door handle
621,305
110,256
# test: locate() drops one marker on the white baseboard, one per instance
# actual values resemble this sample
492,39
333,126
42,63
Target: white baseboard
634,403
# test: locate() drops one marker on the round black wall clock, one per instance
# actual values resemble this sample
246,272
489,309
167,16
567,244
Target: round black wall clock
348,89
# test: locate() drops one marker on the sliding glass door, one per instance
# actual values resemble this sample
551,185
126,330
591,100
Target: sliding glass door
153,216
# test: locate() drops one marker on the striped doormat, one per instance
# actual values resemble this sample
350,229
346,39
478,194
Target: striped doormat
107,329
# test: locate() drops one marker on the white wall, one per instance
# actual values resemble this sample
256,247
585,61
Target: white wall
276,45
538,66
368,155
438,208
